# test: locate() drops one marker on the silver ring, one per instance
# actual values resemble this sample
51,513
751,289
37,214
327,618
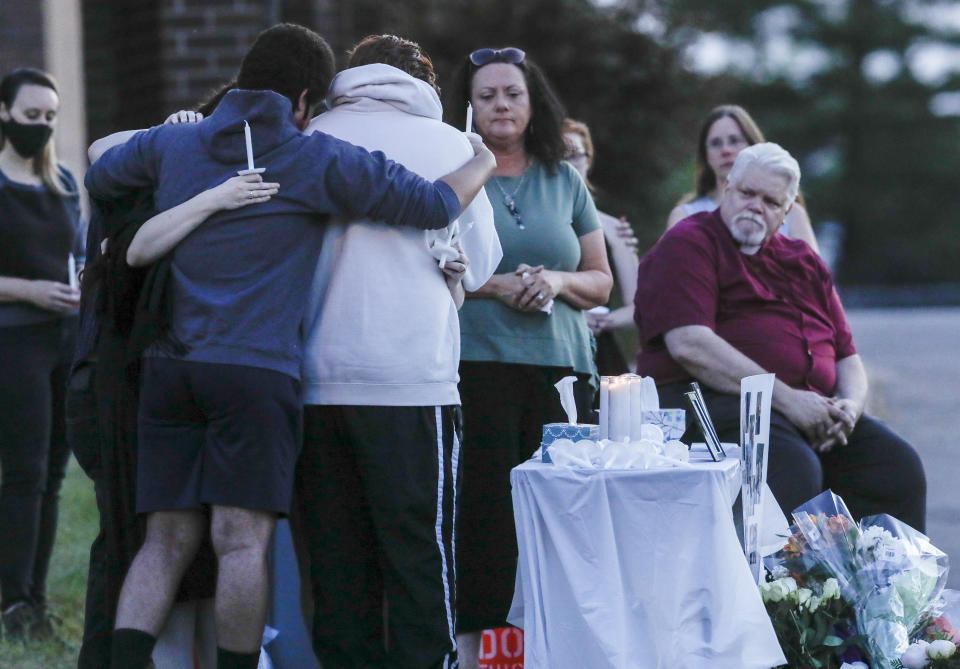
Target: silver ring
250,195
539,296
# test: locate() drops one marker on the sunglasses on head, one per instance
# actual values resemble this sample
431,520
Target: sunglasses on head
510,54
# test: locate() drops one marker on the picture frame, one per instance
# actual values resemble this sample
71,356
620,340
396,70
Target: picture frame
702,416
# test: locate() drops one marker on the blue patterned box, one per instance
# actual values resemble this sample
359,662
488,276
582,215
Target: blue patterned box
554,431
671,421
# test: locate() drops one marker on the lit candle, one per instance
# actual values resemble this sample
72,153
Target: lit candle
619,421
469,117
72,271
249,140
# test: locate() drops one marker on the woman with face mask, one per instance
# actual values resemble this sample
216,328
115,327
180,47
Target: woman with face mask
39,234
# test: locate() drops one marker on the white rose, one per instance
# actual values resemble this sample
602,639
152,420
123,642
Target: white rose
915,656
940,649
770,594
813,603
787,587
803,595
831,588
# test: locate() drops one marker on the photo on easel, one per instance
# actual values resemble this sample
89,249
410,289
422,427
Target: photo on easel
699,408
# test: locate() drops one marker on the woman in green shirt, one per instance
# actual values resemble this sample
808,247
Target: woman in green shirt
525,328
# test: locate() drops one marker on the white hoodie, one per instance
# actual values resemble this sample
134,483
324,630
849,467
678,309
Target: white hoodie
381,326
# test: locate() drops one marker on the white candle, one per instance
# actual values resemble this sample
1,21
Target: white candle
249,140
604,407
72,271
619,421
636,408
469,117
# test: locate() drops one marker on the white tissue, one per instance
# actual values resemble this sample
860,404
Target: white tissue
607,454
547,308
618,455
566,453
651,432
647,446
565,387
441,243
676,450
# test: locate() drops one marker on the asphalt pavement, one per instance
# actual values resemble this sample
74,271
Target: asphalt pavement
912,357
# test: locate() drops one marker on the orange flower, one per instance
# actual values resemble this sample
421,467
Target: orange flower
838,524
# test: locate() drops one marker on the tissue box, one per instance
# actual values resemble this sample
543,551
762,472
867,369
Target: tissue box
671,421
554,431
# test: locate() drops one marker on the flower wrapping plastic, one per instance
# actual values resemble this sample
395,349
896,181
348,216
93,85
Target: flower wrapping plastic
891,573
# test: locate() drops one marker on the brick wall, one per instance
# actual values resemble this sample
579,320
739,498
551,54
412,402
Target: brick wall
148,58
203,42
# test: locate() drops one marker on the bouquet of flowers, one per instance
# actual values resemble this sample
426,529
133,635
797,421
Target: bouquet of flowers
936,649
890,573
814,624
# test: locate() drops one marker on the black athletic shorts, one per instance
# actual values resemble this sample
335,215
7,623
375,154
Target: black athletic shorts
216,434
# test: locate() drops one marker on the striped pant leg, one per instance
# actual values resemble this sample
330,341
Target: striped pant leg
406,460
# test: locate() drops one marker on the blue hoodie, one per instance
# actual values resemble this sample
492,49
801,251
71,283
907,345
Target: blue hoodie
239,281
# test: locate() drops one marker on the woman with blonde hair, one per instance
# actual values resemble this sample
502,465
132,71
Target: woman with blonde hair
726,131
38,301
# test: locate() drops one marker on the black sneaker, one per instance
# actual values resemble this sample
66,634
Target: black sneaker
43,627
17,621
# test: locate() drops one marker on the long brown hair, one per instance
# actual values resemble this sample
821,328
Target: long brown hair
706,179
45,163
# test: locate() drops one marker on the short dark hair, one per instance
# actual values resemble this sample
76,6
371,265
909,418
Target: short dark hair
402,54
207,105
288,58
543,138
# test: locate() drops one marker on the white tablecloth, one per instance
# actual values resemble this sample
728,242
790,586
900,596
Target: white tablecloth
635,569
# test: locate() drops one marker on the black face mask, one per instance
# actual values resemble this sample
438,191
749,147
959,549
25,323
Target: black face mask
27,138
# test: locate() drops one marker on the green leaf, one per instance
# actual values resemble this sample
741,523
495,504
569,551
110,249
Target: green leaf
833,641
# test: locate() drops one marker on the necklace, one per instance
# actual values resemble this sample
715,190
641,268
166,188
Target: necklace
510,202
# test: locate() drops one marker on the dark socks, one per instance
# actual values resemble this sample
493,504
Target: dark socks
227,659
131,649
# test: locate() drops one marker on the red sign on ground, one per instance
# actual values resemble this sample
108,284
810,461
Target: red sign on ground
502,648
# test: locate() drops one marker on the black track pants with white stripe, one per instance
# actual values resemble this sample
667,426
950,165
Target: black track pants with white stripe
376,492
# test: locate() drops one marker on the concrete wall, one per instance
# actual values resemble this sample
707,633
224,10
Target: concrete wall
63,58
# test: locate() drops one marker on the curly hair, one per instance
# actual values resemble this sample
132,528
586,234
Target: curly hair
402,54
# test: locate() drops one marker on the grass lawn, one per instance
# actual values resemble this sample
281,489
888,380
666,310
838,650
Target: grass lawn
66,586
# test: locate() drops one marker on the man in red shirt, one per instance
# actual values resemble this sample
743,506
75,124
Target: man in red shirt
723,296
